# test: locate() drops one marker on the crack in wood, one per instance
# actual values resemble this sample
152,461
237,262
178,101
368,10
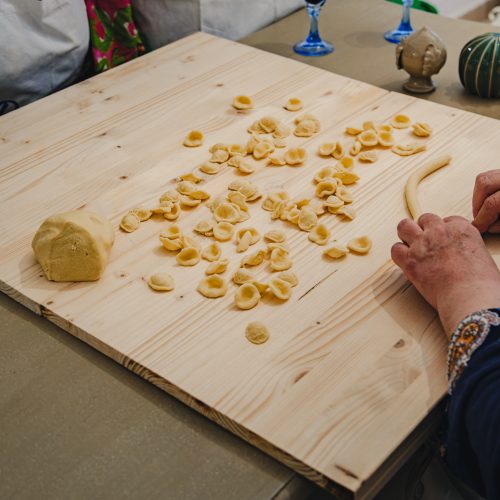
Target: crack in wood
347,472
317,284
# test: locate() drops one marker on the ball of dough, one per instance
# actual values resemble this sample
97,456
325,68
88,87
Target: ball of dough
73,246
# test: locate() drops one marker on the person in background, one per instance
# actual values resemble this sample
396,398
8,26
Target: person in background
447,261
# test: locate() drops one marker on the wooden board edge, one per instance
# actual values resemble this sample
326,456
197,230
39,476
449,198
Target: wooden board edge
341,492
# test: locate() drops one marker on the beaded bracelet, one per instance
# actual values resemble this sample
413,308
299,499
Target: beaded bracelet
468,336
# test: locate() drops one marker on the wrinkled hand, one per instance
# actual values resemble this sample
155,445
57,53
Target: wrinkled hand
448,263
486,202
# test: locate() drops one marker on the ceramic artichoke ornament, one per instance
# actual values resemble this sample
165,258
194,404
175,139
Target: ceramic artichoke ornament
421,55
479,65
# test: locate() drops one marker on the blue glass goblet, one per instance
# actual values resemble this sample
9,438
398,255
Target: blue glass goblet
404,29
313,45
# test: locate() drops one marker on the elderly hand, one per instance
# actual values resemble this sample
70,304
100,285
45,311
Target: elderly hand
486,202
449,265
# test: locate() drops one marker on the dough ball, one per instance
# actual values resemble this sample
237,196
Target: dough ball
73,246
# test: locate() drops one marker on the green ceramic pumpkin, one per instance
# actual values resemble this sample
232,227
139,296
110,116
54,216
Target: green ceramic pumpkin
479,65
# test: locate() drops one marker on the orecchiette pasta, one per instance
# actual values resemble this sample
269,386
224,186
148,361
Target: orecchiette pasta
353,130
212,287
400,121
199,194
170,196
173,213
289,277
227,212
368,138
384,128
294,104
254,234
279,142
338,152
212,252
211,168
188,256
217,267
219,156
281,131
186,201
355,148
242,276
130,222
324,173
262,150
307,219
344,194
191,177
247,296
188,241
360,245
253,259
295,156
277,161
326,149
346,211
186,187
336,251
171,244
261,287
306,128
326,188
421,129
161,282
256,333
368,156
223,231
242,102
243,242
320,234
237,150
268,124
279,259
205,227
143,213
332,203
385,139
346,162
408,149
275,236
217,146
281,289
346,177
193,139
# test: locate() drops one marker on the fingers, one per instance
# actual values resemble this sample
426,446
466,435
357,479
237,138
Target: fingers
399,254
456,218
427,221
494,228
408,231
486,184
488,213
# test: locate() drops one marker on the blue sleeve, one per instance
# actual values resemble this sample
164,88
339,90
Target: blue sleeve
473,418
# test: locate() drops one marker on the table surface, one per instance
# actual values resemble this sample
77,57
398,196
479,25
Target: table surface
80,438
355,27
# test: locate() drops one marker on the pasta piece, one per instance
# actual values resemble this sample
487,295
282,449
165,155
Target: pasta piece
223,231
263,150
161,282
294,104
360,245
143,213
408,149
227,212
384,128
346,211
261,287
306,128
205,227
324,173
186,201
346,162
275,236
219,156
368,156
218,146
277,161
170,196
191,177
289,277
244,167
237,150
213,203
186,187
421,129
247,296
279,210
173,213
338,151
242,102
320,234
414,179
254,234
385,139
211,168
327,148
250,191
244,216
369,125
400,121
279,142
271,246
281,289
281,131
251,145
368,138
344,194
172,245
188,256
295,156
212,252
194,139
268,124
244,242
242,276
316,206
130,222
333,203
190,242
217,267
256,333
307,219
353,130
254,259
279,259
292,215
336,251
212,287
326,188
355,148
346,177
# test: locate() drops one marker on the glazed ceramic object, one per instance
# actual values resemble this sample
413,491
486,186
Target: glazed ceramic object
421,55
479,65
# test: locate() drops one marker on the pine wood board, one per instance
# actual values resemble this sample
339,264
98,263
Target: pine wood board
356,360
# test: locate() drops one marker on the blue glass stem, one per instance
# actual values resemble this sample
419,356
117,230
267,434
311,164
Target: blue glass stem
405,24
313,36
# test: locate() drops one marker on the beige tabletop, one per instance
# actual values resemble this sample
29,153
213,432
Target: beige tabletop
355,27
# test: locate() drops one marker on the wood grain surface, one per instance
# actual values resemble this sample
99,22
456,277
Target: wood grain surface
356,358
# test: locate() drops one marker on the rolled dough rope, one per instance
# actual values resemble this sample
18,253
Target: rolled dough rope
414,180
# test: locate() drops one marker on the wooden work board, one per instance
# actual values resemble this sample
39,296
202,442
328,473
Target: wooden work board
356,359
